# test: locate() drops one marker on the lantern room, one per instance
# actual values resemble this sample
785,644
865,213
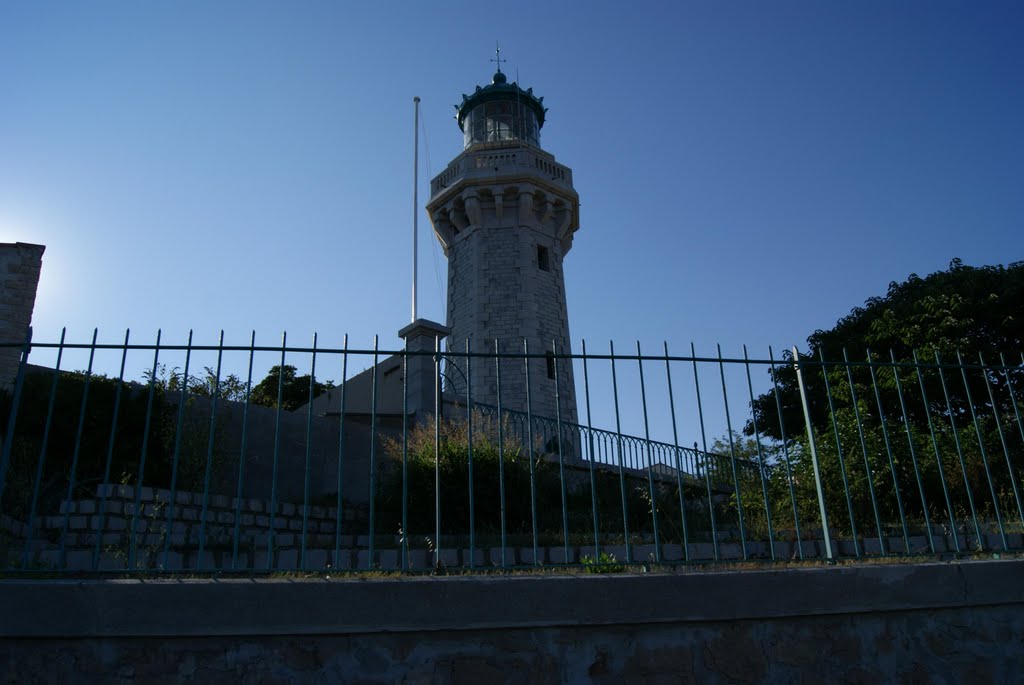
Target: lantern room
501,113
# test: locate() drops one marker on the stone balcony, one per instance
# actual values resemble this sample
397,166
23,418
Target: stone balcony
481,161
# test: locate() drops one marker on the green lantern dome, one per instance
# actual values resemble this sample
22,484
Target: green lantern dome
501,112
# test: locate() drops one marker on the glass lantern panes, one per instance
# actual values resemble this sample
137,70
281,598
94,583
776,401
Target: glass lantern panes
500,121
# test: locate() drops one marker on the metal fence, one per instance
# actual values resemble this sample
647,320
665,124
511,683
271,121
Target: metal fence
166,470
637,453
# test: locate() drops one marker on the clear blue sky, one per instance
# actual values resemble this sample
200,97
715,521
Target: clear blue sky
747,171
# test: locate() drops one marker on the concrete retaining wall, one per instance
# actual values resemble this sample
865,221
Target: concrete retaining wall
955,622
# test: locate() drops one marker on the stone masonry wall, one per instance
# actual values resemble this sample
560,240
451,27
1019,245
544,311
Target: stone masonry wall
186,519
498,290
20,264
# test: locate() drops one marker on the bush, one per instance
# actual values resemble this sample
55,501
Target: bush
96,447
510,464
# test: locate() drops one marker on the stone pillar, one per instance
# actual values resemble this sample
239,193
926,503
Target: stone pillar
20,264
422,335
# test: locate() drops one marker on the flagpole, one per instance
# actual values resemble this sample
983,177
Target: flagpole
415,198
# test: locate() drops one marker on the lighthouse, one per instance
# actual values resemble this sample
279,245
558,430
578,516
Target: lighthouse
505,213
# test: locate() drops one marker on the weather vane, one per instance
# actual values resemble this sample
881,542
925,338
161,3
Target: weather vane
497,53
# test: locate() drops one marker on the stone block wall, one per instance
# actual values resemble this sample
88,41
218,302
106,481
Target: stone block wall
497,291
505,228
20,264
169,530
186,519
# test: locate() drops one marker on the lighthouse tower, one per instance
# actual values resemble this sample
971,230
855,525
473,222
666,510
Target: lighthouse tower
505,213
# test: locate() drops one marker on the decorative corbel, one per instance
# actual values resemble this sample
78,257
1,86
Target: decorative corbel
563,225
442,229
525,209
457,218
472,204
549,211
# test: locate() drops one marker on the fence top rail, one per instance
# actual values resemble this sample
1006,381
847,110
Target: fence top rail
633,439
880,362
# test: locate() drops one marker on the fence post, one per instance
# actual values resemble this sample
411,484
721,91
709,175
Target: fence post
829,554
437,451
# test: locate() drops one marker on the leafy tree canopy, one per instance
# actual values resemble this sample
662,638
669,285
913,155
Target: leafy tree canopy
970,309
964,310
295,390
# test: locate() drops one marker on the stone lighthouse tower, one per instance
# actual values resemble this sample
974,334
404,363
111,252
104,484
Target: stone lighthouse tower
505,213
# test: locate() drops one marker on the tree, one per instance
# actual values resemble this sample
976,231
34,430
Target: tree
898,437
294,390
966,311
231,387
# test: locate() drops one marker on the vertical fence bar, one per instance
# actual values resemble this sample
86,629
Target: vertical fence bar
762,466
1002,437
593,457
913,452
561,464
339,512
732,452
183,396
1013,398
209,453
984,454
839,453
437,452
12,417
707,460
373,455
882,548
42,454
959,452
529,428
888,451
77,452
501,453
1016,413
679,467
829,554
277,451
622,472
145,452
469,453
105,489
938,457
405,456
650,460
309,453
785,455
241,457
